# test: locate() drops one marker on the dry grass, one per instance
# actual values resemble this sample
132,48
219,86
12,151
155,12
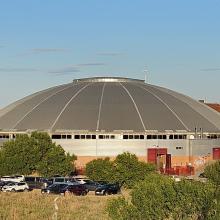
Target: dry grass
33,205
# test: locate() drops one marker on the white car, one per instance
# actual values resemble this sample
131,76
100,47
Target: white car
16,178
15,187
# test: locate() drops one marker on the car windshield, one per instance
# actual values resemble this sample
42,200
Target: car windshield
10,184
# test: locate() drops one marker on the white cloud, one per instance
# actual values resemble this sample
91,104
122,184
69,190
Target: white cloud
110,54
210,69
48,50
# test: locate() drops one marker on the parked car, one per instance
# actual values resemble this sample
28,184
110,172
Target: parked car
34,182
76,189
15,187
81,180
60,179
91,185
15,178
54,188
107,189
3,183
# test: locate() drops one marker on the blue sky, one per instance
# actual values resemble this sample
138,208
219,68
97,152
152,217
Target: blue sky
44,43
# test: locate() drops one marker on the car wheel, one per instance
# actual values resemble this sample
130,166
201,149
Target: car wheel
13,190
83,193
25,190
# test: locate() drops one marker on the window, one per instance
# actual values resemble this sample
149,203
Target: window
160,137
179,148
136,136
82,136
125,136
141,136
154,136
88,136
171,136
112,136
101,137
130,136
76,136
69,136
93,136
29,179
149,137
56,136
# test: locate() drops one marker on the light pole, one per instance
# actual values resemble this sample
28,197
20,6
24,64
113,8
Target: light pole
96,143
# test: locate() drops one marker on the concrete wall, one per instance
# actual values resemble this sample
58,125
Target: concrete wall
183,151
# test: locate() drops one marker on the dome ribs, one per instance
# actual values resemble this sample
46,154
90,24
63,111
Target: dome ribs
64,108
167,106
36,106
100,107
135,105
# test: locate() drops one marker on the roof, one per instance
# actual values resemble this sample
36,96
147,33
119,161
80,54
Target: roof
109,104
214,106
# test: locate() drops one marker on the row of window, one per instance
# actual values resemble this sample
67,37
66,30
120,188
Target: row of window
3,136
82,136
213,136
125,136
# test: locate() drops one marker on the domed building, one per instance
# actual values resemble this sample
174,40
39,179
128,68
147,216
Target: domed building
105,116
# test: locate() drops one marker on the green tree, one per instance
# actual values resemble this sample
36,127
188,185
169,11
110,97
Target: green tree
100,169
35,153
126,169
129,170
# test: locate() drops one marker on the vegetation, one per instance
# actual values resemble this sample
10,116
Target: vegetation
125,169
35,153
159,197
35,206
100,169
212,172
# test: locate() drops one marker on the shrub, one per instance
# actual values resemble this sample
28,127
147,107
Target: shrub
129,170
100,169
125,169
212,172
159,197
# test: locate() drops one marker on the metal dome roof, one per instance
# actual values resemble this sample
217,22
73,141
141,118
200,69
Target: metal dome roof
108,104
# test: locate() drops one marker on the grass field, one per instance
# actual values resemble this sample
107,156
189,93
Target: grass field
34,205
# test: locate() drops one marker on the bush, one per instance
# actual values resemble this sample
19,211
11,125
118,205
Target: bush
125,169
100,169
129,170
159,197
35,153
